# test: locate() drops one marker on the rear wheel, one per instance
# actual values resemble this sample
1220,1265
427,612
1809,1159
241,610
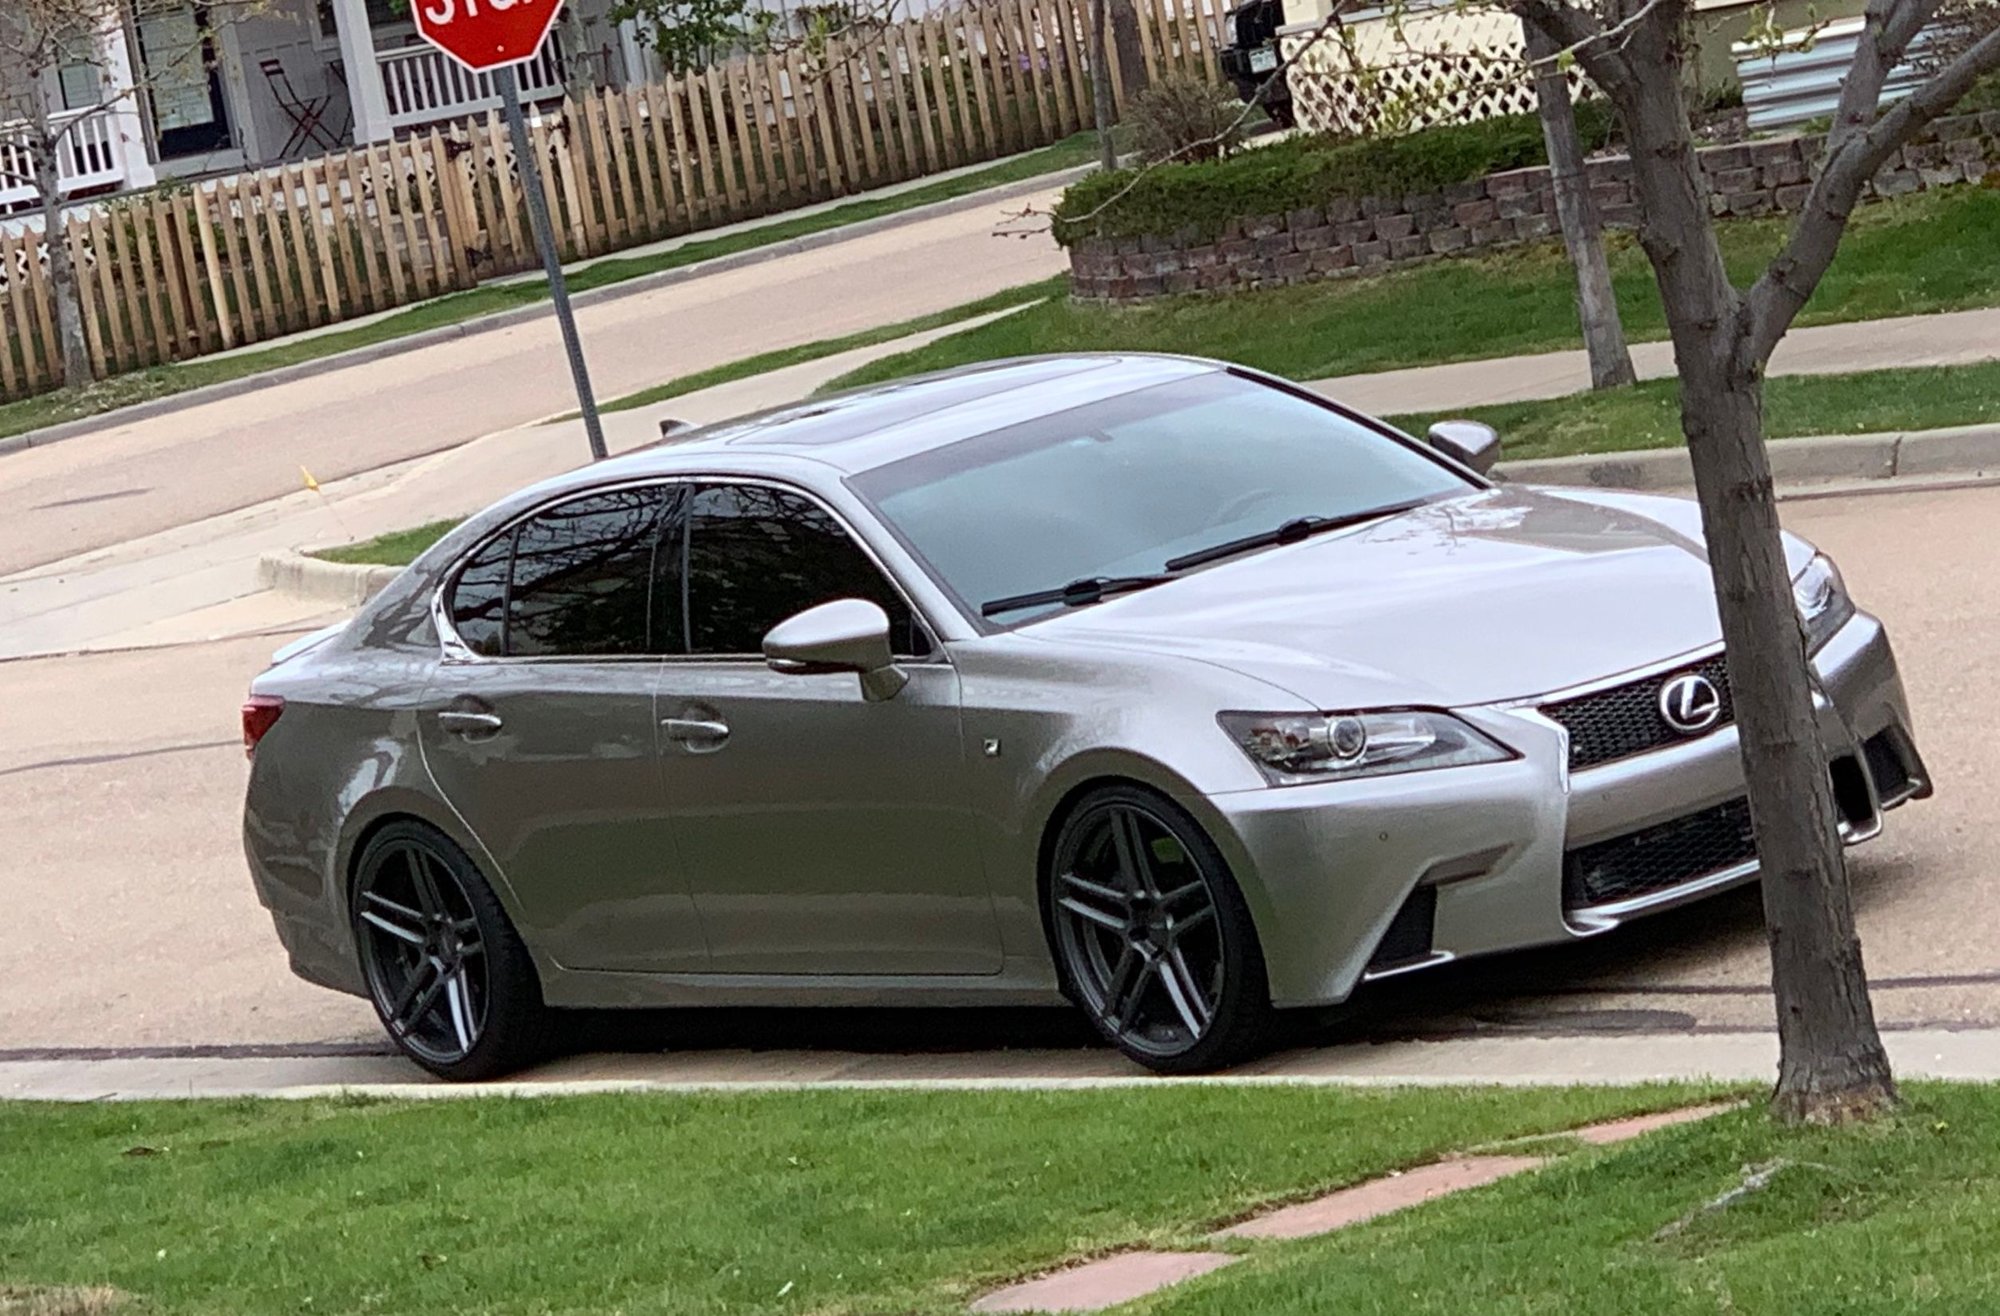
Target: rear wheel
449,977
1152,937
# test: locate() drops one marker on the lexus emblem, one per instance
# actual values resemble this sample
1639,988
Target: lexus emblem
1690,703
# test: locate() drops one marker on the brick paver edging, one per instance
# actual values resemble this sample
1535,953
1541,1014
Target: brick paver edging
1351,235
1109,1281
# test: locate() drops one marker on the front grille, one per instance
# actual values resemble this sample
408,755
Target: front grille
1607,725
1659,857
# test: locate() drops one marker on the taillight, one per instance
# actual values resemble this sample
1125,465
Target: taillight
260,714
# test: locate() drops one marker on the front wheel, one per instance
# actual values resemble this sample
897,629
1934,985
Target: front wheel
1152,937
449,976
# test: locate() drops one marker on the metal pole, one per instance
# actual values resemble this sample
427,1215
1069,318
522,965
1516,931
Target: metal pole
545,241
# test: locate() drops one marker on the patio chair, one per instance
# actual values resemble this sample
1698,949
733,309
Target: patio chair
305,112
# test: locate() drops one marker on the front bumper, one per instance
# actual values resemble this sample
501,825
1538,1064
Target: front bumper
1371,878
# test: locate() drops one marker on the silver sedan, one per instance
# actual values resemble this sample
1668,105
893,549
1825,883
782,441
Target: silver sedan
1156,684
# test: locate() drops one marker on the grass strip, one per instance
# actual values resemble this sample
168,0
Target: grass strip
766,362
455,308
1648,415
398,548
817,1201
1918,254
1890,1218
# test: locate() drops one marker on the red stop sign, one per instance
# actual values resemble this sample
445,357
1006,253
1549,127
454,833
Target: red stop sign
487,34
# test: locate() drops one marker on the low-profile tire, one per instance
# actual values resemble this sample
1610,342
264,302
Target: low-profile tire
1151,935
449,977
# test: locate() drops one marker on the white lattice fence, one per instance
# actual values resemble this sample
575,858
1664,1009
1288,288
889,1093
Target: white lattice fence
1390,75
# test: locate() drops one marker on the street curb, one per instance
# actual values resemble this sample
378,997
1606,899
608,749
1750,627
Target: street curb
300,576
1961,450
360,356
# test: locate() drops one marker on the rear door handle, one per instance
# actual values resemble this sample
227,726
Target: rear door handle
460,722
694,730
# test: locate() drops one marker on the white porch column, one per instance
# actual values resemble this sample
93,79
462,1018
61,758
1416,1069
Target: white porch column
120,83
637,66
364,76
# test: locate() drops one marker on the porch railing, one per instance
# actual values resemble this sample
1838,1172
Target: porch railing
424,87
90,155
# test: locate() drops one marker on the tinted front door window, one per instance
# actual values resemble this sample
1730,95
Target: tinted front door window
758,555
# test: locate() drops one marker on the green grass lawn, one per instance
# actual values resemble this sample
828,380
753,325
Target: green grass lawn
1895,1218
455,308
1934,252
1648,415
823,1202
398,548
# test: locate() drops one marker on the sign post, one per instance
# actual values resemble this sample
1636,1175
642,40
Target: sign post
497,36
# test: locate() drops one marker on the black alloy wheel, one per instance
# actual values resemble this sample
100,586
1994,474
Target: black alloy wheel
1152,937
449,977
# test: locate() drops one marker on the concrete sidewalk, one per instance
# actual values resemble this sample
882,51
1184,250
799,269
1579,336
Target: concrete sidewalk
1952,338
1750,1057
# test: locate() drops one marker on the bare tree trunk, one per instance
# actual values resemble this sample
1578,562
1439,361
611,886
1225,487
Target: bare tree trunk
1125,39
70,338
1833,1066
1576,210
1100,89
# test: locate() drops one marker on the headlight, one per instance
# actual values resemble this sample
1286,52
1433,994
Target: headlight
1293,748
1822,601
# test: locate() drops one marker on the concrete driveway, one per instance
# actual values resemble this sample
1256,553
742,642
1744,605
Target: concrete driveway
133,924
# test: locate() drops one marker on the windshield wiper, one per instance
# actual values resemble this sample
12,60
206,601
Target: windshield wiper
1291,532
1073,595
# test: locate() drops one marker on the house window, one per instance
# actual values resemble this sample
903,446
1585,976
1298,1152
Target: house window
82,86
381,13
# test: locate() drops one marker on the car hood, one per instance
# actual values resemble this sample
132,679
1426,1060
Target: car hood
1500,594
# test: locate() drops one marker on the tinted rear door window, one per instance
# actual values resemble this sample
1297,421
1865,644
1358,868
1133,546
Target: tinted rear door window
479,599
582,578
757,555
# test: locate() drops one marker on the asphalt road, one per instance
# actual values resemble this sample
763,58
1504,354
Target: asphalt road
132,923
135,479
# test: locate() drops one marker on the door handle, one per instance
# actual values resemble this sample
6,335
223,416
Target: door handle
694,730
461,722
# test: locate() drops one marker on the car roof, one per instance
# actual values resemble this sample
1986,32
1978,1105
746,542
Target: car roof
865,428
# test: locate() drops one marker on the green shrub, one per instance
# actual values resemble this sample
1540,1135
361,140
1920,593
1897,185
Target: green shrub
1305,171
1984,95
1183,118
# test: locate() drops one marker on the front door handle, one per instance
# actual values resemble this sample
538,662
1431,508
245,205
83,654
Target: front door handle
694,730
462,722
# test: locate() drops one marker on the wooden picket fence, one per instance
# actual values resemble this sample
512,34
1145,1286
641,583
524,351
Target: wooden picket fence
180,272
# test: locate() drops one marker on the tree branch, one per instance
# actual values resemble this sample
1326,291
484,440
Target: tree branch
1579,33
1888,28
1782,291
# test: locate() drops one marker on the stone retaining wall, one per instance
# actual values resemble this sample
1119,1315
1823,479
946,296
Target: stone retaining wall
1350,235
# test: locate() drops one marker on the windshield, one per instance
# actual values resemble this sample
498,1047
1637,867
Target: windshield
1119,487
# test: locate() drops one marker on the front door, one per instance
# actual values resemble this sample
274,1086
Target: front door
183,80
542,733
821,833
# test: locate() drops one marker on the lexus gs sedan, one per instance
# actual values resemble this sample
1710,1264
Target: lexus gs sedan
1159,685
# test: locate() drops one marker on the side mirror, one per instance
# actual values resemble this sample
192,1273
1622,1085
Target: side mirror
1468,442
846,635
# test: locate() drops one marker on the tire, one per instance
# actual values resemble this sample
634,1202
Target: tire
449,977
1165,959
